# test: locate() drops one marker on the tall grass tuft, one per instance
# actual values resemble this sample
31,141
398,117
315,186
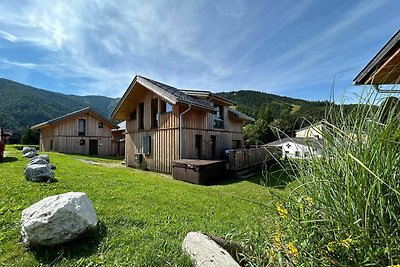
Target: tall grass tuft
345,210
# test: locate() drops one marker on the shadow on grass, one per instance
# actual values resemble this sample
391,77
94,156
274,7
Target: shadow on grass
273,176
8,159
121,158
277,177
78,248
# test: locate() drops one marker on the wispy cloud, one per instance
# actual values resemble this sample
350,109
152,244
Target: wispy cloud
96,47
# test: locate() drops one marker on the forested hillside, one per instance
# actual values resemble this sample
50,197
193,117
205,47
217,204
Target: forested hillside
22,106
273,111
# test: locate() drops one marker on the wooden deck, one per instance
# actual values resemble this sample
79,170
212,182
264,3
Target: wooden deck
240,159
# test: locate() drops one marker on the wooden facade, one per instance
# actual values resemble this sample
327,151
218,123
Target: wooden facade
80,132
161,129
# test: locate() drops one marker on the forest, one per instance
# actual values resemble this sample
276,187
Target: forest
22,106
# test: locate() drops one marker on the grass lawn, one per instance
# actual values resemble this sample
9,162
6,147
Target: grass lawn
143,216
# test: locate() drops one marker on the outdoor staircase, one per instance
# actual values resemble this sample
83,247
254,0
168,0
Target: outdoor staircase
244,174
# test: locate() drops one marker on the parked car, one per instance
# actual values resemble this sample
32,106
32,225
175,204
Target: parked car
2,143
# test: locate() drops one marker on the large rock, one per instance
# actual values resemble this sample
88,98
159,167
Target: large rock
39,173
58,219
204,252
41,159
29,152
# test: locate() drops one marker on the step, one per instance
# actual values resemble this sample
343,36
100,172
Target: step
247,176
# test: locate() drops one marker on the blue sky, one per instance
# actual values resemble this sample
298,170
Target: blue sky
286,47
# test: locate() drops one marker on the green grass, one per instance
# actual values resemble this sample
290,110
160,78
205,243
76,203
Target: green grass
143,216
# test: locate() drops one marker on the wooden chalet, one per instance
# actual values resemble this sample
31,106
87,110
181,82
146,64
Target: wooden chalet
164,124
80,132
384,68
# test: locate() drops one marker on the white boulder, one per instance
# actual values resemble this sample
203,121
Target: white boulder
39,173
58,219
29,152
204,252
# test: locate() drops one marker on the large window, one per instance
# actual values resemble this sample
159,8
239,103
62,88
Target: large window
141,116
165,107
82,127
219,117
146,145
154,113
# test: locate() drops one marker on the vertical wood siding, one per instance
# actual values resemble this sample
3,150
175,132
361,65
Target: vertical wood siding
64,135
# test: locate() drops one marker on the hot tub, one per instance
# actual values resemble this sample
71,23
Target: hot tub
203,172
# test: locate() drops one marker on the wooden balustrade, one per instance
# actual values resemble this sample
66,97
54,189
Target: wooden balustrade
245,158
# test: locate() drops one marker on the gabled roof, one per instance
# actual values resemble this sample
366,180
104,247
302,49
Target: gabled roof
167,92
73,114
384,68
239,115
314,125
208,95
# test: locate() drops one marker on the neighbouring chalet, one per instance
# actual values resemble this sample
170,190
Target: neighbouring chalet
80,132
384,68
164,124
299,147
118,139
311,131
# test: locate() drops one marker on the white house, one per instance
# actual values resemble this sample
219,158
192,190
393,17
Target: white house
311,131
299,147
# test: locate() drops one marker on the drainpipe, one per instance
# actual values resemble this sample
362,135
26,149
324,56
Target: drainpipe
180,129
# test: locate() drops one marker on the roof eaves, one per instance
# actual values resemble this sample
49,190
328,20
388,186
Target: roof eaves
240,114
369,68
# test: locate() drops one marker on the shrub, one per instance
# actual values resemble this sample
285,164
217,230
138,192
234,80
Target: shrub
345,210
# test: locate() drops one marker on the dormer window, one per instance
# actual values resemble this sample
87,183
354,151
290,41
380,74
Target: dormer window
219,116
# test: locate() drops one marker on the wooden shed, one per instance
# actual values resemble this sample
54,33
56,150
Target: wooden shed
164,124
80,132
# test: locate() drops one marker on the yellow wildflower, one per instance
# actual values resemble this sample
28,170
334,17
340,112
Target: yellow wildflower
346,243
282,211
293,249
330,246
272,253
309,200
396,265
277,239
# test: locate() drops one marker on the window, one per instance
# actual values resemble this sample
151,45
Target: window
147,145
198,146
219,117
154,113
82,142
100,125
141,116
132,116
236,144
297,153
82,127
165,107
51,144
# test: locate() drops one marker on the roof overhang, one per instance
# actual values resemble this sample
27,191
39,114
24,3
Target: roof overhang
209,96
384,68
122,109
71,115
124,106
239,115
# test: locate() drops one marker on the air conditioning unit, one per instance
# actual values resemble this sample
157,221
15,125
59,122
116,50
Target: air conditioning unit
138,158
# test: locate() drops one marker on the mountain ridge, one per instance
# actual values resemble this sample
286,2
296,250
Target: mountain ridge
22,106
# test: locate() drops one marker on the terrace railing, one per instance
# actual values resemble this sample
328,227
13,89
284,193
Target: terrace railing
245,158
